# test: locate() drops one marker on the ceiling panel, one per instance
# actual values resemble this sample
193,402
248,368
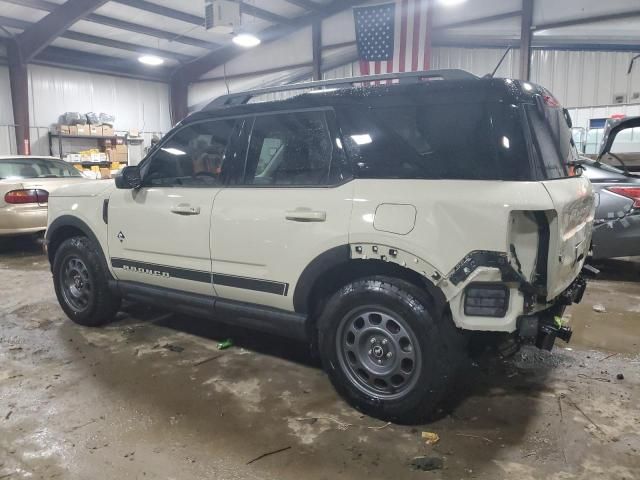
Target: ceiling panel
91,28
130,14
21,13
98,49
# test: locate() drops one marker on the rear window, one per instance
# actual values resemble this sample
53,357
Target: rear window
35,168
476,141
552,139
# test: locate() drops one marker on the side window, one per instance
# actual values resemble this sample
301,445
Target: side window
478,141
192,157
289,149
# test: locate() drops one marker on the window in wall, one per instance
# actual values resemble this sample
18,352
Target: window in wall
193,157
289,149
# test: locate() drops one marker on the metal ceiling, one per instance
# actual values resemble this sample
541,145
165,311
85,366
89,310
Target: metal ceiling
113,36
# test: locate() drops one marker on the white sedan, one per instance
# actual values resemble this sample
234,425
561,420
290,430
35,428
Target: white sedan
25,184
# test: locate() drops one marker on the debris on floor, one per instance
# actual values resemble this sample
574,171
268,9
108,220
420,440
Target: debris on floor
225,344
427,463
273,452
430,438
599,308
173,348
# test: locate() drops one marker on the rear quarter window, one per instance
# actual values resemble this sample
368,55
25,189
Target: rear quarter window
468,141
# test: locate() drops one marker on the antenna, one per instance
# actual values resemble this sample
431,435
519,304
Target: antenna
504,55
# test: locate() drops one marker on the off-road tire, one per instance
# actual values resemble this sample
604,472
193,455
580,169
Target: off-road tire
99,306
441,348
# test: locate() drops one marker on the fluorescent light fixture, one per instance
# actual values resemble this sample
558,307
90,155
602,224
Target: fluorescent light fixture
361,139
246,40
151,60
505,142
174,151
451,3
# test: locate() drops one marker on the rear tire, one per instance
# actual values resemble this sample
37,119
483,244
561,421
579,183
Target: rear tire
384,350
81,283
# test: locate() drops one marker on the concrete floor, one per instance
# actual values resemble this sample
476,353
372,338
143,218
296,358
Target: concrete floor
151,396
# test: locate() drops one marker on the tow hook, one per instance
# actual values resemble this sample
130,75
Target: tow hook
548,333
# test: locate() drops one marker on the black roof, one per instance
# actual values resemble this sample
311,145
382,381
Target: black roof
434,91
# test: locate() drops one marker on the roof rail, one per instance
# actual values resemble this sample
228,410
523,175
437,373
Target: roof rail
241,98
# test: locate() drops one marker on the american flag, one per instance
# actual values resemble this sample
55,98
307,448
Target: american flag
393,37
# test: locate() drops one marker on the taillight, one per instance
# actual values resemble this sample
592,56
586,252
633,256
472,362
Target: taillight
630,192
27,196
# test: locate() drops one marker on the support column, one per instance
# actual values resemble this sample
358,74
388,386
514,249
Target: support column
19,80
316,42
525,39
179,97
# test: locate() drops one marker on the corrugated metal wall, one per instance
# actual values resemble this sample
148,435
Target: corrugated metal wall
577,78
135,103
582,79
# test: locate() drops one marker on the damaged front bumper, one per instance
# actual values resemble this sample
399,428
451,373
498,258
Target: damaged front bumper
543,327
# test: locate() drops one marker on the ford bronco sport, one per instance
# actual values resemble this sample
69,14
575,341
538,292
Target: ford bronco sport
382,223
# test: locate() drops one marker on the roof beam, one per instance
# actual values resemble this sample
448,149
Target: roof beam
253,11
194,70
587,20
48,6
480,20
245,8
105,42
164,11
306,4
39,35
91,62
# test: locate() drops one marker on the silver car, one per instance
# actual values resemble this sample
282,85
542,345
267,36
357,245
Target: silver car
25,184
616,230
617,223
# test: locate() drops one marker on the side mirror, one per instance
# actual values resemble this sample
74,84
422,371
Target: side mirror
129,178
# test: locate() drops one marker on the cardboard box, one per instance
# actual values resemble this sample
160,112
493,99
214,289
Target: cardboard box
63,129
74,157
122,149
122,157
134,132
83,130
95,130
107,130
73,130
105,173
119,140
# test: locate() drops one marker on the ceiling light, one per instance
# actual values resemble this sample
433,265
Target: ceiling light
246,40
151,60
451,3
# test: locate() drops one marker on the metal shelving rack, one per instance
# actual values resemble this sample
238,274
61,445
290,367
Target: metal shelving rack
61,136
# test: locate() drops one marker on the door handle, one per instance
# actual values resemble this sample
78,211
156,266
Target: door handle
306,215
185,210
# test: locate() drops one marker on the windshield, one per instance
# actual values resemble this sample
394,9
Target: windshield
19,168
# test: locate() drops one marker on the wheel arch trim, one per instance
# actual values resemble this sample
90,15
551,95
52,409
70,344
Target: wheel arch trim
343,255
74,222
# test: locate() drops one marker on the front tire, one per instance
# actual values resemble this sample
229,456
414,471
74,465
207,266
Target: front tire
384,351
81,283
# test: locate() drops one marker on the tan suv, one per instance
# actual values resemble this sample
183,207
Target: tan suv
383,224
